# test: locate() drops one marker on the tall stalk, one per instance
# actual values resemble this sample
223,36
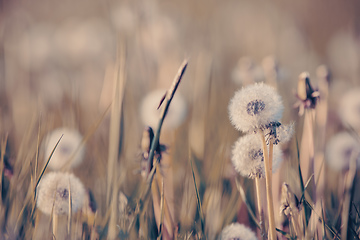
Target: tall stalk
268,181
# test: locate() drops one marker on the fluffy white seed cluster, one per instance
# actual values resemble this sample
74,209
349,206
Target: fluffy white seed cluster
150,115
237,231
341,149
54,190
70,150
349,109
254,107
248,157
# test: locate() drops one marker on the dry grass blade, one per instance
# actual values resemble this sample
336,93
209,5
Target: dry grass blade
168,98
248,206
302,186
3,149
169,95
322,220
37,151
70,211
88,134
114,141
201,213
47,163
162,201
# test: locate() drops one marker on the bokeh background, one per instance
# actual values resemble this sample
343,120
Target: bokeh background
57,61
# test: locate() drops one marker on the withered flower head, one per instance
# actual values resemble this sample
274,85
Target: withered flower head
289,202
306,95
146,141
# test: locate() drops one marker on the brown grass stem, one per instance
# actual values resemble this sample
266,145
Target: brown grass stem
168,98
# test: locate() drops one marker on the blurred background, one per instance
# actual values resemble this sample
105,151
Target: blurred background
57,61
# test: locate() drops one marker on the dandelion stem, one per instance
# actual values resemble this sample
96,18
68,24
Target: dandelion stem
54,225
270,204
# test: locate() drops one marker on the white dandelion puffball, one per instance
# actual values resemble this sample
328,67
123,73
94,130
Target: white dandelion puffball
54,190
248,158
70,150
150,115
349,109
123,202
254,107
237,231
340,149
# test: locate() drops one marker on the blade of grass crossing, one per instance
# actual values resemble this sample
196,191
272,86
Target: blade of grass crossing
202,219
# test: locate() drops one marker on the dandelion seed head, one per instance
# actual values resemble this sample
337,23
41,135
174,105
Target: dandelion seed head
237,231
150,115
70,148
248,158
340,149
254,107
279,133
349,109
54,190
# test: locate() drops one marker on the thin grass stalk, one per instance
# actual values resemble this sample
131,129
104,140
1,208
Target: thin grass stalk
349,180
168,98
114,141
268,182
47,163
201,213
88,134
115,119
37,150
248,206
162,202
323,75
260,209
70,212
323,225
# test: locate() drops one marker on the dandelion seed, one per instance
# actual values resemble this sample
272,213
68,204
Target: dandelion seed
237,231
349,109
53,193
341,149
248,158
254,107
70,148
150,115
